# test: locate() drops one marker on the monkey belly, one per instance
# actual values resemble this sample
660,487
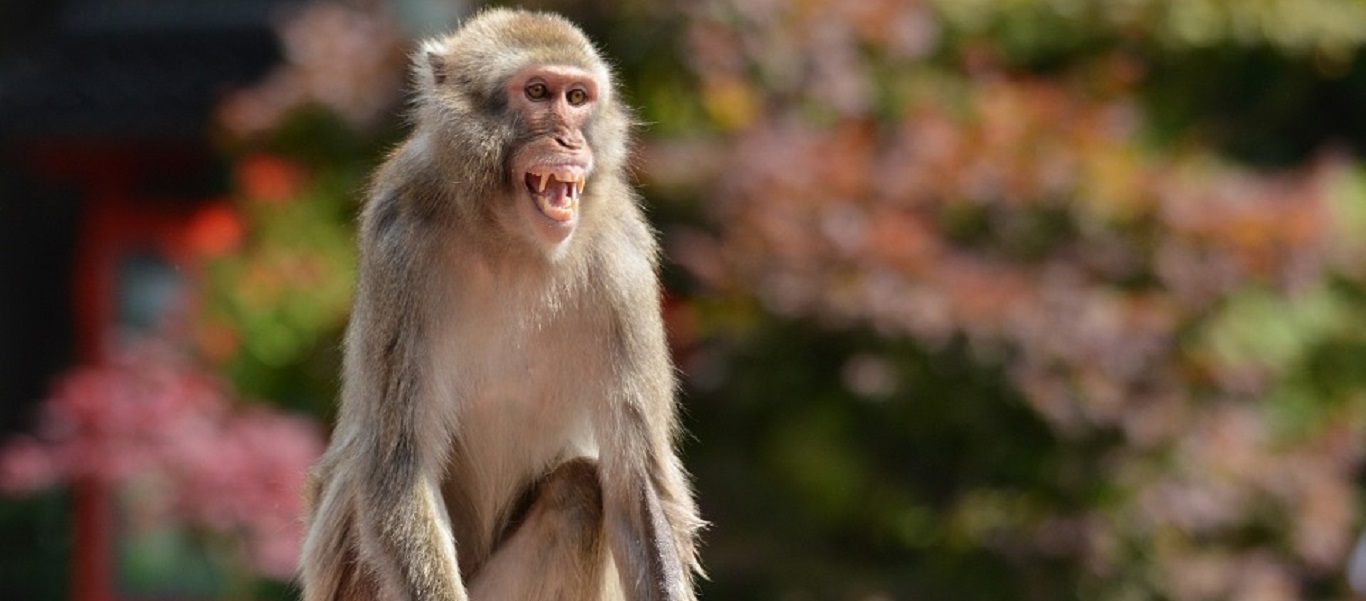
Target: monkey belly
493,468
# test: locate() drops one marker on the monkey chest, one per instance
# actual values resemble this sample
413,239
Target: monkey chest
521,364
524,391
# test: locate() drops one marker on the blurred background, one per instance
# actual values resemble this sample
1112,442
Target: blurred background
973,300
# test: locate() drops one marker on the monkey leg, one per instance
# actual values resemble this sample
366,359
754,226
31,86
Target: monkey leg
557,552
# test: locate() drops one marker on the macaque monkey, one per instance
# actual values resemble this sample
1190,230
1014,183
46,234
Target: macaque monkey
507,410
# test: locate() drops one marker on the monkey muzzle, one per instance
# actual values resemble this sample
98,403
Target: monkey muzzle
556,190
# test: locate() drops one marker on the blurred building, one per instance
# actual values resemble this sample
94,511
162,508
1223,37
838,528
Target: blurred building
105,157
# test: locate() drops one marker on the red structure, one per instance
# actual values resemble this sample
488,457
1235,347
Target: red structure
104,142
116,221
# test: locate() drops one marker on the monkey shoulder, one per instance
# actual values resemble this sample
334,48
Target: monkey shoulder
626,257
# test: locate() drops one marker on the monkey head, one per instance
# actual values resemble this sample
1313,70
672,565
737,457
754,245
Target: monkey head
519,109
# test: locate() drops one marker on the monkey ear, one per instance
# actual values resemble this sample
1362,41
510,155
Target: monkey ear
437,64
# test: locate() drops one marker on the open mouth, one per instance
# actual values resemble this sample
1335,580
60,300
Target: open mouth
556,190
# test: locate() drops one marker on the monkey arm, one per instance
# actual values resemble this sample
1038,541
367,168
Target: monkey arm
400,520
650,517
639,533
650,520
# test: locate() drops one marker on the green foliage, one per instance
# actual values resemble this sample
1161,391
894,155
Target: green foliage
275,307
1031,28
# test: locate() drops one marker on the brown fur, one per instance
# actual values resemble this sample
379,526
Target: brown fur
507,410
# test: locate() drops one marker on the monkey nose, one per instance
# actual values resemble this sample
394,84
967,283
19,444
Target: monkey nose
570,142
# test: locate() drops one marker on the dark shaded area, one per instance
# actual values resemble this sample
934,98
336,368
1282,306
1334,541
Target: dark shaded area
127,69
886,472
1261,106
37,248
132,74
34,559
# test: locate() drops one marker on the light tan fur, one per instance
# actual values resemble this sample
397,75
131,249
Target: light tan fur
507,416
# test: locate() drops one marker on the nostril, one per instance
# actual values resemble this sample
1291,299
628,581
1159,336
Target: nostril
568,142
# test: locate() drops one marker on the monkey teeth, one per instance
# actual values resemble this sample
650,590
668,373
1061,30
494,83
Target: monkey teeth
557,190
570,175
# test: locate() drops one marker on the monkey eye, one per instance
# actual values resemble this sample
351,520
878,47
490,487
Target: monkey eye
537,91
577,96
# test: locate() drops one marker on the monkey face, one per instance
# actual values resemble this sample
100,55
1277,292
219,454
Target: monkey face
552,169
517,111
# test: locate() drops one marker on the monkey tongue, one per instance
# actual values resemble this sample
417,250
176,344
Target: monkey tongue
559,201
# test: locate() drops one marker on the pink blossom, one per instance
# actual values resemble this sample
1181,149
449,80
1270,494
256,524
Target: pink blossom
153,423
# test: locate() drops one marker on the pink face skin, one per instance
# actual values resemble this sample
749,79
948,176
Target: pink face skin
551,171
